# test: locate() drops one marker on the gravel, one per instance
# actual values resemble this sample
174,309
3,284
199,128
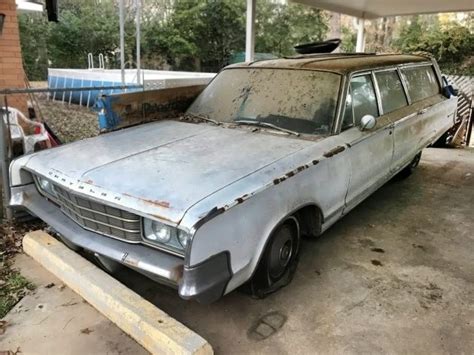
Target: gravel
69,122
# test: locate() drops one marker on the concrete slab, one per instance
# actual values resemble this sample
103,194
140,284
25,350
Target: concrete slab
55,320
396,275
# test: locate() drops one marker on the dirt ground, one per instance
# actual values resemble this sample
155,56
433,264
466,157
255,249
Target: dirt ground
396,275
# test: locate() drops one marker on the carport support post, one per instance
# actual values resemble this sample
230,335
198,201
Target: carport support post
4,163
250,31
360,45
122,40
137,19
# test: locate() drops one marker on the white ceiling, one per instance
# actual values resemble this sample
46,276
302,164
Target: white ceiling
370,9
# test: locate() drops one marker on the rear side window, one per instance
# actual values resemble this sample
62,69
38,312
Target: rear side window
391,91
421,82
360,101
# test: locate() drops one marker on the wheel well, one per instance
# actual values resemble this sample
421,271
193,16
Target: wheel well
310,219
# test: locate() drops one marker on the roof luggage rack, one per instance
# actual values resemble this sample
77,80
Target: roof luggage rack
330,55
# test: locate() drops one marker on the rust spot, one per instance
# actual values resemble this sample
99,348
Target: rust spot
214,212
277,181
162,218
290,174
315,162
177,273
164,204
334,151
159,203
241,199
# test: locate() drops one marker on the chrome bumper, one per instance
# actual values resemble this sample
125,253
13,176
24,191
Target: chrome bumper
157,265
205,282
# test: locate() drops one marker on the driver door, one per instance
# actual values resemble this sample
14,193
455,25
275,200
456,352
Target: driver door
370,151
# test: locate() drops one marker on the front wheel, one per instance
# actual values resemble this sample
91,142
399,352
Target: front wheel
279,260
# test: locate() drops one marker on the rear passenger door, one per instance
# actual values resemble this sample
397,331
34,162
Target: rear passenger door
394,107
417,128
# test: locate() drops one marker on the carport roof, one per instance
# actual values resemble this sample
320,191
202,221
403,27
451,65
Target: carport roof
370,9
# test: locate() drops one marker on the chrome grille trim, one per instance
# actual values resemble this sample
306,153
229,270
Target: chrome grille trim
102,223
98,217
94,211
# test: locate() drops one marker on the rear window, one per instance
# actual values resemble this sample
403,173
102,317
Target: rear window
421,82
391,91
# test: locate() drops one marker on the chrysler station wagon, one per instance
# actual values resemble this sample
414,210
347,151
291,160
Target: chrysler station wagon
270,151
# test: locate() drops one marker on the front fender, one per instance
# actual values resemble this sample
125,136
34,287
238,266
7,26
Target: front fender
243,228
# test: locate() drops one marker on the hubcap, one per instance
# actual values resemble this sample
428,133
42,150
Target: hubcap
281,252
285,253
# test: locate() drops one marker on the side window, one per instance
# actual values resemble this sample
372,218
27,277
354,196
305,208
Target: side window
360,101
421,82
348,119
391,91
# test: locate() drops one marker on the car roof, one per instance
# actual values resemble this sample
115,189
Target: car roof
342,63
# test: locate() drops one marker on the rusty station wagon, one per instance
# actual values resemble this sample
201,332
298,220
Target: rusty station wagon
268,152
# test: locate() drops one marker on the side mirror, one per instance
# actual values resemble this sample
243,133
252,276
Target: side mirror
367,122
449,91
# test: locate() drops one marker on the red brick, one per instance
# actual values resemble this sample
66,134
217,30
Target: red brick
11,66
10,59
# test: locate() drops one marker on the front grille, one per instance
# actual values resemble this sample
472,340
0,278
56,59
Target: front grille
99,218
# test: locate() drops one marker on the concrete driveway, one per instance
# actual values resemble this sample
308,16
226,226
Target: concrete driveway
396,275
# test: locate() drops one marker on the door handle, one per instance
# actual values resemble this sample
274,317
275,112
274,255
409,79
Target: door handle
422,111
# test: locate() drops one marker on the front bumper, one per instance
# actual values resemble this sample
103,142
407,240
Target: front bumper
205,282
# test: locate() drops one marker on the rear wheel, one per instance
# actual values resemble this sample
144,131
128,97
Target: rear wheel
279,260
410,168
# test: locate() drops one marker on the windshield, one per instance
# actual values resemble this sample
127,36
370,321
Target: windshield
302,101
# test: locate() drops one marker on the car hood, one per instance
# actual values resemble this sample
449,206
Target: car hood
163,168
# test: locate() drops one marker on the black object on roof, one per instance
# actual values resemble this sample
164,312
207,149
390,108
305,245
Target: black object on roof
318,47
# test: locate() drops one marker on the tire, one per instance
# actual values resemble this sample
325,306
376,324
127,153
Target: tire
108,265
410,168
278,262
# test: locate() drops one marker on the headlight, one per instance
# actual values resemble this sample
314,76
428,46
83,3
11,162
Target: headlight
163,235
184,238
46,186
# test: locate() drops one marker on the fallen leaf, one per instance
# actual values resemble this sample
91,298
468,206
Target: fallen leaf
3,326
86,331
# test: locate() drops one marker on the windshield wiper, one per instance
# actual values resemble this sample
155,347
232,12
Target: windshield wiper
193,116
265,124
